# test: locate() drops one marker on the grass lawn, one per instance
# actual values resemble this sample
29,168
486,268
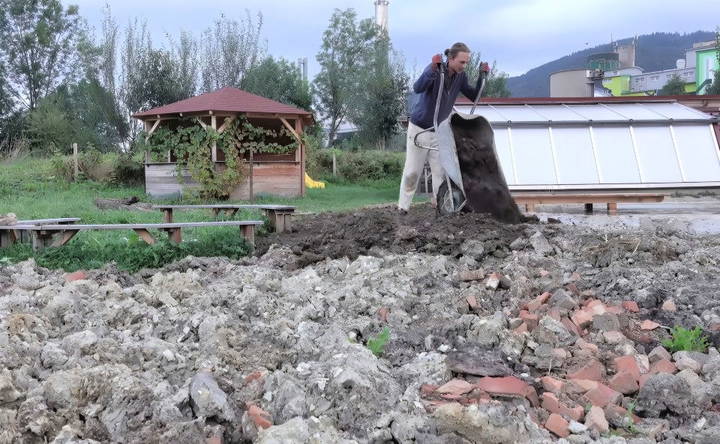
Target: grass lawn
29,189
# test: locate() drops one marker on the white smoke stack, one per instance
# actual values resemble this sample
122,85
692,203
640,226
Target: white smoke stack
381,14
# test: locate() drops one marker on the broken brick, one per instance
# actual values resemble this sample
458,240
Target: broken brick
551,384
570,325
663,366
260,417
587,346
631,306
581,386
531,319
595,419
76,276
603,395
507,385
455,387
581,318
558,425
624,382
628,364
593,370
472,301
522,328
538,301
647,324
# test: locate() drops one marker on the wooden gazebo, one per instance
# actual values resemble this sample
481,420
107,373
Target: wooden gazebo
274,174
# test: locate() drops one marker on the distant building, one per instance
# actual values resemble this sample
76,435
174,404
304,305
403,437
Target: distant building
615,74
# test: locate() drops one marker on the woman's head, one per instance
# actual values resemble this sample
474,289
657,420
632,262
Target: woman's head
458,56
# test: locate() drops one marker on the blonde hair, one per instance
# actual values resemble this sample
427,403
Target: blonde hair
456,48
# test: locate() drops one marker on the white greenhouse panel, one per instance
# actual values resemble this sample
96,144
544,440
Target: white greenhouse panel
533,156
671,147
574,153
656,154
519,113
502,148
616,158
698,154
635,111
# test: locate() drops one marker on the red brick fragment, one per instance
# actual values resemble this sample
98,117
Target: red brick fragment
631,306
557,424
593,370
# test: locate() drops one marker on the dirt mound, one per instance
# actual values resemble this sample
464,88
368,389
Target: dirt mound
336,235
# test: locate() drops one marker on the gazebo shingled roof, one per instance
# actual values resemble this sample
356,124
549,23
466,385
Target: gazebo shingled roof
231,100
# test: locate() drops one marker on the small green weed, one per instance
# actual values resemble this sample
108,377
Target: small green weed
687,340
377,344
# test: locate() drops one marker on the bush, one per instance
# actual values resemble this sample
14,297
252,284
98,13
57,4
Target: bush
92,165
357,166
128,171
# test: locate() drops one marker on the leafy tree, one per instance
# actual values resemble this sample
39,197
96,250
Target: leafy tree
380,98
674,87
345,45
50,128
155,81
278,80
39,46
230,49
496,84
6,102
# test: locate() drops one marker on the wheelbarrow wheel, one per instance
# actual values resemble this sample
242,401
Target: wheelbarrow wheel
449,203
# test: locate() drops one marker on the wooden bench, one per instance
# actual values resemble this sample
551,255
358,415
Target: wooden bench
610,199
42,235
10,236
280,216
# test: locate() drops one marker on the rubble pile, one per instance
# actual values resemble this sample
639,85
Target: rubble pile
528,333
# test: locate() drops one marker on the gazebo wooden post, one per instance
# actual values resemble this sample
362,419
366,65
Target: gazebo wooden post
301,152
147,136
213,124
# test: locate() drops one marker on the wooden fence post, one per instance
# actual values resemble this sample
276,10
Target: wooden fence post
76,169
334,164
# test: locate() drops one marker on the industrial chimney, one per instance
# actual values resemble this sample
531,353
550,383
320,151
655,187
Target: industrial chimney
381,14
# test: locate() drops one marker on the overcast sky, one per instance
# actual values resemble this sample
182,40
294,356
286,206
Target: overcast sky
518,34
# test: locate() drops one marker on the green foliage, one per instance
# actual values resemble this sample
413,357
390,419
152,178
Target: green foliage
191,144
129,253
278,80
155,81
687,340
377,344
229,49
379,98
92,165
674,87
496,83
49,127
39,44
357,166
128,171
346,44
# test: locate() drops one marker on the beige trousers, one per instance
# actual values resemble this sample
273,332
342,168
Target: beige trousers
415,162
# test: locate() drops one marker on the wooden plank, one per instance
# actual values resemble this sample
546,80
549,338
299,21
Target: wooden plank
157,226
145,235
225,124
154,127
225,207
291,129
202,124
175,235
248,232
64,238
7,238
59,220
167,215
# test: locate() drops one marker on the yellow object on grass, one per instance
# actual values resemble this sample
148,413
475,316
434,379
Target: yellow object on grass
313,183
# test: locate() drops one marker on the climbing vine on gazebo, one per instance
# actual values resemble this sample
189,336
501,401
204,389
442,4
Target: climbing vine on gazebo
192,146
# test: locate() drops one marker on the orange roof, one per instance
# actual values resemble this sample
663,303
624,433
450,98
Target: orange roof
225,100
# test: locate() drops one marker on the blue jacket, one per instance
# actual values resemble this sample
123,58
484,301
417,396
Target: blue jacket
427,87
